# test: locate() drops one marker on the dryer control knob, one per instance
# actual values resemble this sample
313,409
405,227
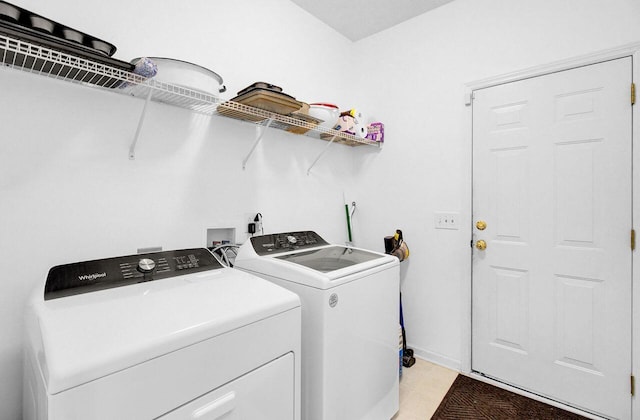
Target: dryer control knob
146,265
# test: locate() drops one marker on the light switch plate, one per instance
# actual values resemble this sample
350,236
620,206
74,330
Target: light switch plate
446,220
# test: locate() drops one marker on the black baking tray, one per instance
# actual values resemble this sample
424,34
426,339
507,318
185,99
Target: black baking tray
18,30
261,86
244,93
57,31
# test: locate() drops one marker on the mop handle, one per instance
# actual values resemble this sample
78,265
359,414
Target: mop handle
346,208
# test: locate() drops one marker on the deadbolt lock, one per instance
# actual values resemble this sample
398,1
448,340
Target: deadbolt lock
481,225
481,245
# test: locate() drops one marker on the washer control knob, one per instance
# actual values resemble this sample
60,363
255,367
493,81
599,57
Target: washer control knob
292,239
146,265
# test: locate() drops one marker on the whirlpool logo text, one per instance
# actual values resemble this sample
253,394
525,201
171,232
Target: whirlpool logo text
92,277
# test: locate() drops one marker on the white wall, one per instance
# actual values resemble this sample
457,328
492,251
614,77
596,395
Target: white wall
414,77
68,191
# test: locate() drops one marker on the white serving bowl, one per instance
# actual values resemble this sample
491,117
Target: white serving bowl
328,113
188,75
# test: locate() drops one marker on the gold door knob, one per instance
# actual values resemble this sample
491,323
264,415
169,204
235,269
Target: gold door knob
481,245
481,225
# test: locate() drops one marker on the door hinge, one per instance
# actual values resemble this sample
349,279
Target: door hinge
633,385
633,93
633,239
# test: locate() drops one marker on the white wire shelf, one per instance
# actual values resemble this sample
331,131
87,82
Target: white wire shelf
291,123
40,60
37,59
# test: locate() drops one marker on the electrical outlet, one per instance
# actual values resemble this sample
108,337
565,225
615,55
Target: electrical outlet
446,220
252,224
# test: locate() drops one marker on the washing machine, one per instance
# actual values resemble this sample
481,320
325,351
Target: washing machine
164,335
350,314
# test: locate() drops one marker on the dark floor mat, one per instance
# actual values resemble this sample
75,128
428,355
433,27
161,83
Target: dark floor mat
472,399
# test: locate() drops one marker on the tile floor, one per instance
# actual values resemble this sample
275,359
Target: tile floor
422,387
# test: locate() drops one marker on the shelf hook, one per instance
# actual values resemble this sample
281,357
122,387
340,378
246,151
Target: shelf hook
258,138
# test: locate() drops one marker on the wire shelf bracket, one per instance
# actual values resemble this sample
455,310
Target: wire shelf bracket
259,134
132,148
321,153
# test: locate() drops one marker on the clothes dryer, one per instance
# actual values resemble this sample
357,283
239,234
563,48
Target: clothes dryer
166,335
350,311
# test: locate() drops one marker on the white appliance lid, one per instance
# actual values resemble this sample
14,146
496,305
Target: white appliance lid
305,258
331,258
83,337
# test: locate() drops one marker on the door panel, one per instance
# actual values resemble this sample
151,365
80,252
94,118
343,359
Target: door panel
510,204
510,309
575,196
551,305
576,302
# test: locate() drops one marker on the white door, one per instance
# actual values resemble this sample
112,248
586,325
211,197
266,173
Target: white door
551,305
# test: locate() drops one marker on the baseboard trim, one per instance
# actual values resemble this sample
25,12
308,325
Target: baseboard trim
437,358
